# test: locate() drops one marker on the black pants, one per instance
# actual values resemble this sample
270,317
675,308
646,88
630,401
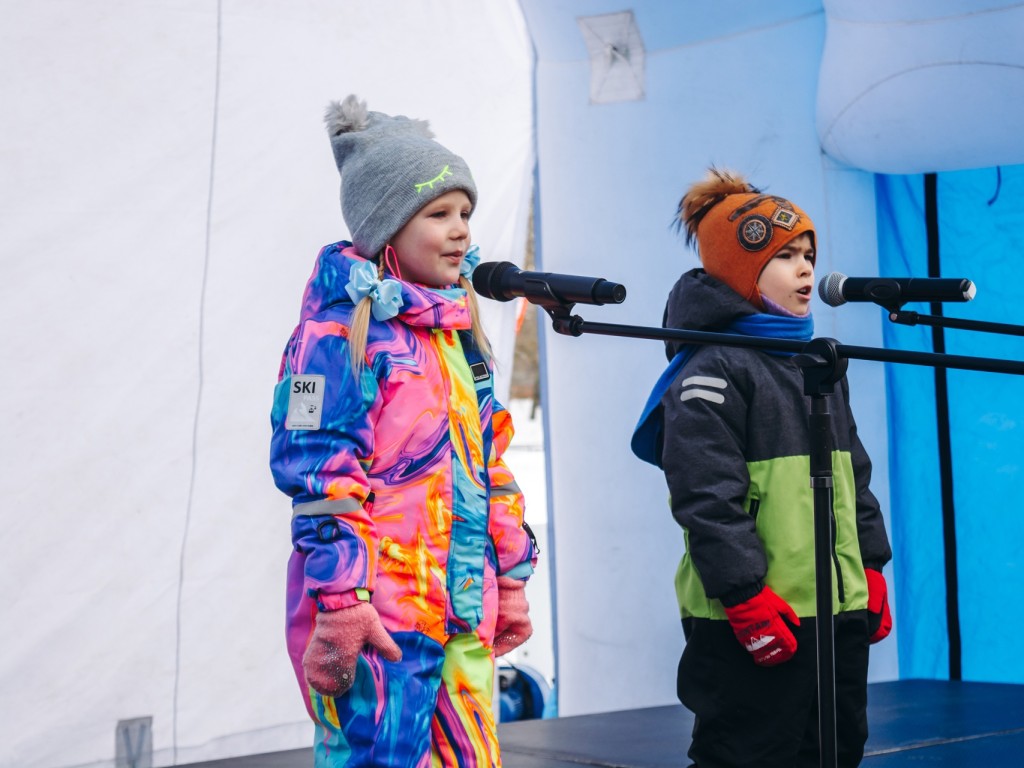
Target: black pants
748,715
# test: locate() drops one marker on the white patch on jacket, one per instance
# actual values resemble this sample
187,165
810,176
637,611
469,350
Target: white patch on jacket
693,386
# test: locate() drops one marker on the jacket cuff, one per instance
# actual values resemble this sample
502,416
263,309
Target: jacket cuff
523,571
335,601
741,594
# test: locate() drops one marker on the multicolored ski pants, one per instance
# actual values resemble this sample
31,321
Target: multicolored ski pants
433,708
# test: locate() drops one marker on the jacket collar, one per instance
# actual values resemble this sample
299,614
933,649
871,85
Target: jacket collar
422,306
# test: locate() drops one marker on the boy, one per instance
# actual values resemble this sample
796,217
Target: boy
735,455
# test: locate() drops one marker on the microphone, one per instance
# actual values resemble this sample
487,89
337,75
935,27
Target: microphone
504,281
836,288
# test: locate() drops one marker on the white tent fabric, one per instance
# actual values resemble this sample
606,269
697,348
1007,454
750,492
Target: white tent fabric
167,183
909,86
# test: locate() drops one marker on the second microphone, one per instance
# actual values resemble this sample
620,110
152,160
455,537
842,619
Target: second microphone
836,288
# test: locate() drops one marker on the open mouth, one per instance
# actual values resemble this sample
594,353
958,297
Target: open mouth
805,291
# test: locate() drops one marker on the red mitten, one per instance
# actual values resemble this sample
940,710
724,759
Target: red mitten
514,627
879,618
330,660
758,625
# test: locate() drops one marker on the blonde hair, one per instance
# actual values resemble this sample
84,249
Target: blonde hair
360,325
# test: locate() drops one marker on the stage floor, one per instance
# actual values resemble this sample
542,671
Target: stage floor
931,723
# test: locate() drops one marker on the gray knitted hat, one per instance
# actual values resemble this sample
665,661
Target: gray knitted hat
390,168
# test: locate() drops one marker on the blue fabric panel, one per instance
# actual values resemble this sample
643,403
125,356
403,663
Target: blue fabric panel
981,220
913,489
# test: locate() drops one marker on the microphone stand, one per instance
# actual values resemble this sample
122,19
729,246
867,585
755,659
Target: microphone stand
823,362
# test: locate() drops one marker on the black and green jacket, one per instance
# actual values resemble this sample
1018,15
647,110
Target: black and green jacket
736,458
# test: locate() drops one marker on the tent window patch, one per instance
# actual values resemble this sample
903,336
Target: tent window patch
616,57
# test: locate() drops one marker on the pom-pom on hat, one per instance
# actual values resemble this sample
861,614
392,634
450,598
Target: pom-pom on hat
390,168
738,229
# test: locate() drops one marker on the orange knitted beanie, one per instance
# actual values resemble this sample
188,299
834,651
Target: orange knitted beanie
738,229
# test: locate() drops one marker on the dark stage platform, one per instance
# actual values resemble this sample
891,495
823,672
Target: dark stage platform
930,723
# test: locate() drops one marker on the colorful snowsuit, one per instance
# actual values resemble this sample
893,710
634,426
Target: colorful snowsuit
398,489
735,454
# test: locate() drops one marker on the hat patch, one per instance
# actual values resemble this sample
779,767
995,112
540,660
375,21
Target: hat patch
784,218
754,232
444,174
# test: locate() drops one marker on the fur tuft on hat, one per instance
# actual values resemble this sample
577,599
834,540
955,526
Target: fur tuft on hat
703,194
346,116
737,228
390,167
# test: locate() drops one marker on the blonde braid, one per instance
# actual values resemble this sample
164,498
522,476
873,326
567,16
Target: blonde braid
360,326
474,314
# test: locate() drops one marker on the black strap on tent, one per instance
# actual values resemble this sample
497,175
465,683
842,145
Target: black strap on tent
931,215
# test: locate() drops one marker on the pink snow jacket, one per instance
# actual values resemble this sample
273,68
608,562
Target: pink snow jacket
395,473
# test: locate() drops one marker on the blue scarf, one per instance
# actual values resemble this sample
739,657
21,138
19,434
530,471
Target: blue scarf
649,433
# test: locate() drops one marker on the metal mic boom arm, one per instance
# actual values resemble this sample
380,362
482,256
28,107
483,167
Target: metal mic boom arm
913,318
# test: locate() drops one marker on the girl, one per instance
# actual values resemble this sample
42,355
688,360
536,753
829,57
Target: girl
410,551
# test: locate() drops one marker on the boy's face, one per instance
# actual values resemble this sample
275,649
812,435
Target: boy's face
432,244
788,279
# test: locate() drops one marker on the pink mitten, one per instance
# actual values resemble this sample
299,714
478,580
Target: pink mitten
513,627
330,660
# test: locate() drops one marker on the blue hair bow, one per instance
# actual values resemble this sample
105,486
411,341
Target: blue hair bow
469,261
386,294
